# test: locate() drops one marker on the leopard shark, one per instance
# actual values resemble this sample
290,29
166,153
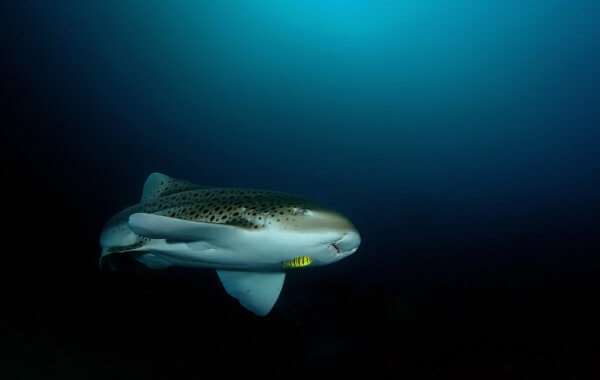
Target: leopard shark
251,237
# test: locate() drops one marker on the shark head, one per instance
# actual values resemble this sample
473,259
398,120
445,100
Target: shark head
318,232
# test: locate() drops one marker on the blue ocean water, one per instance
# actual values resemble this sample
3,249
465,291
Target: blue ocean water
461,138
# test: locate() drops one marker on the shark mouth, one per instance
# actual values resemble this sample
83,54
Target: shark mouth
346,244
337,249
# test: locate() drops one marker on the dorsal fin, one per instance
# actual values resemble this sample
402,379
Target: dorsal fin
158,185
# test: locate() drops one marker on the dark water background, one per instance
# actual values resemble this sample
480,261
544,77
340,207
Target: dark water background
462,138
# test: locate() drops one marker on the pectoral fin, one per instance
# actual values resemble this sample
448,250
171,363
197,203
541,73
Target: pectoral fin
164,227
256,291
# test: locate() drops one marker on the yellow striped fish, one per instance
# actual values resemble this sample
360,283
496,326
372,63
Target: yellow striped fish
298,262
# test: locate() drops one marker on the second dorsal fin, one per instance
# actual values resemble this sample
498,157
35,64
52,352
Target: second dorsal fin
159,185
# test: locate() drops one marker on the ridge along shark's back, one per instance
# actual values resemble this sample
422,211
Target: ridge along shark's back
247,235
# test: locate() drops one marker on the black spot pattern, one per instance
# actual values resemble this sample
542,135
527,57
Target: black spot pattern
252,209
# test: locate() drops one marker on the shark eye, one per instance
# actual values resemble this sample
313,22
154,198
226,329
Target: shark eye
334,246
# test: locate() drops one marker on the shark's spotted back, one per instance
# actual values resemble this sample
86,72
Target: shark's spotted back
252,209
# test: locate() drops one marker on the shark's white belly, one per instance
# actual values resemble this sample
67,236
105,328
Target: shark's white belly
263,250
159,253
